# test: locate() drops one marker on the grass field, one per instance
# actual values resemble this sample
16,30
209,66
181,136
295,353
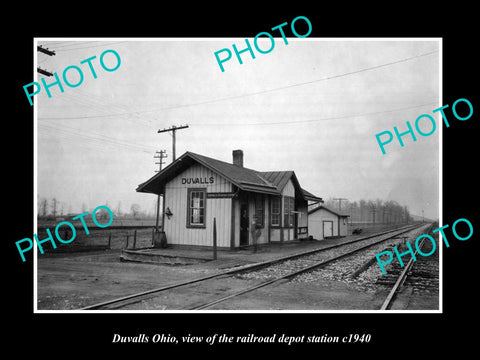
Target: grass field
51,223
119,235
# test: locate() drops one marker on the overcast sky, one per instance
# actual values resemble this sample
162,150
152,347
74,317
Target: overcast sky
312,106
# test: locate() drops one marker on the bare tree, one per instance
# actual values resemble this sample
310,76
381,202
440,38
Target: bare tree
102,214
54,207
43,206
135,210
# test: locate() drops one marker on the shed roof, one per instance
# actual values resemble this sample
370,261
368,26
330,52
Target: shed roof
246,179
328,209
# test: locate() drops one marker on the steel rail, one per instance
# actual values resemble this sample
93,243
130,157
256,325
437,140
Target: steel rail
400,280
116,303
293,274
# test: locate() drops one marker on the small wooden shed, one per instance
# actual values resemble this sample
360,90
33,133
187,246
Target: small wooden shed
324,223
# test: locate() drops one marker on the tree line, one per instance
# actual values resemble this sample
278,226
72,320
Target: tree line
371,211
53,208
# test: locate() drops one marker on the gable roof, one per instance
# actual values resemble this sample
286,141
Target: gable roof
328,209
244,178
309,196
278,178
281,178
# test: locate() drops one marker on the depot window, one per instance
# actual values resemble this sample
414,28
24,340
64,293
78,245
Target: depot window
275,211
196,208
288,211
259,214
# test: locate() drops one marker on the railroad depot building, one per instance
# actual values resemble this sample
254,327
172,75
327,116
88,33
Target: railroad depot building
248,206
324,222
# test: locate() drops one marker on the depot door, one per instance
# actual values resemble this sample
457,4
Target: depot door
327,229
244,223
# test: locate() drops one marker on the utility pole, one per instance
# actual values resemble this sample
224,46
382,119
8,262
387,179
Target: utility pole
173,129
351,215
161,155
339,203
373,211
54,206
49,53
44,72
45,50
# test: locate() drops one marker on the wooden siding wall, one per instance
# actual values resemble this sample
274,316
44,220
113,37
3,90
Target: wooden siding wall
343,226
236,230
284,234
265,230
288,190
263,236
315,223
303,217
176,195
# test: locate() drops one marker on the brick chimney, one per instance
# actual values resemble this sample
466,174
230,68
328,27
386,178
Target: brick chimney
238,157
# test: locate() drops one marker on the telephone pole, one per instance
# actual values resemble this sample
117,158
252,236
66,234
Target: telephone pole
45,50
54,205
373,211
173,129
160,155
339,203
49,53
44,72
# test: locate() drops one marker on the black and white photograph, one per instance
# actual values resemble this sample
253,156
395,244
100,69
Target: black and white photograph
272,194
265,181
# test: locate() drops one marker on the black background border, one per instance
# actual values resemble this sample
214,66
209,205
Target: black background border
81,334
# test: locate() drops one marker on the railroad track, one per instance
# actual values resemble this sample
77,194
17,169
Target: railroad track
421,275
302,262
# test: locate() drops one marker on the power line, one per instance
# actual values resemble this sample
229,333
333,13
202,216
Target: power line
56,43
63,44
102,102
94,104
254,93
320,119
302,83
173,129
308,120
103,139
92,46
